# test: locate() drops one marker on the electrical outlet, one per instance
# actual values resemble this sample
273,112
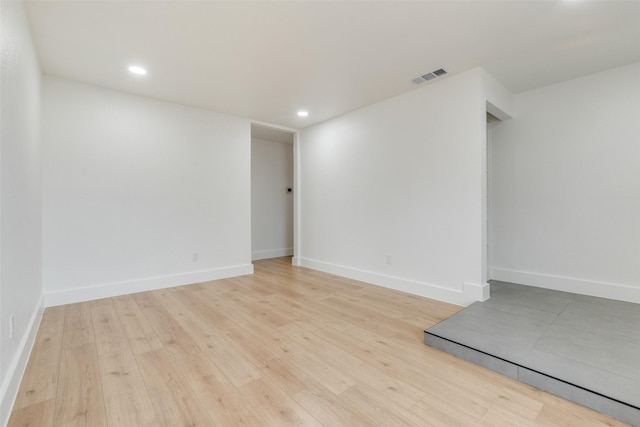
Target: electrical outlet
389,259
195,257
12,319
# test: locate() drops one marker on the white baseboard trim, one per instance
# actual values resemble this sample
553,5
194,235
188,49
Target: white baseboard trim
453,296
272,253
476,292
568,284
295,261
69,296
11,382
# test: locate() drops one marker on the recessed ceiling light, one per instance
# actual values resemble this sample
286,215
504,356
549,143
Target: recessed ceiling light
303,113
137,70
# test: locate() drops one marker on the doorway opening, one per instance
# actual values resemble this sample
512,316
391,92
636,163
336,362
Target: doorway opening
494,117
492,121
272,192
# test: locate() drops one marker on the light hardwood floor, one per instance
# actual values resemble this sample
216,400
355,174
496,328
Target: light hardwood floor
286,346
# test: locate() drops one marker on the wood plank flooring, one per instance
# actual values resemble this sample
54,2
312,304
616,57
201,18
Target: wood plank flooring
285,346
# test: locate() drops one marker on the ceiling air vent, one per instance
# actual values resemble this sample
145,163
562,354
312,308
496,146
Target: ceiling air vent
429,76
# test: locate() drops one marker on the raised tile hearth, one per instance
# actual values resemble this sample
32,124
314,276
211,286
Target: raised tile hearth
583,348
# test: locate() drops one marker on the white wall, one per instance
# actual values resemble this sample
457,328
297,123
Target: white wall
566,187
271,205
20,205
401,179
133,187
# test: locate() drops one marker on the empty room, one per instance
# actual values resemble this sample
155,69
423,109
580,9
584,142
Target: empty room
328,213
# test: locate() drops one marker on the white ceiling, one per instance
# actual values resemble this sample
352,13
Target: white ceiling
266,60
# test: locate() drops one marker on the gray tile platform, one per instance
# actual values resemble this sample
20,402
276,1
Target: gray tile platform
583,348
